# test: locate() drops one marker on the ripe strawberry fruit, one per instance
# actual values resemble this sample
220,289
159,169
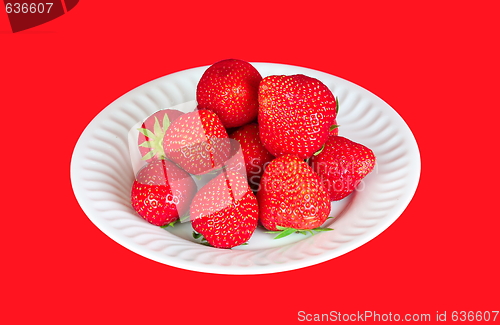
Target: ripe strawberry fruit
229,88
291,197
162,192
225,211
197,142
255,154
342,164
295,114
152,131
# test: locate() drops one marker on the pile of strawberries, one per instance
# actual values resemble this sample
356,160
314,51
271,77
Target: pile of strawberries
294,162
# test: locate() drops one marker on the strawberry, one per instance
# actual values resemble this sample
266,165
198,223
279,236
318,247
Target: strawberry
291,197
229,88
162,192
342,164
295,114
255,154
152,132
197,142
225,211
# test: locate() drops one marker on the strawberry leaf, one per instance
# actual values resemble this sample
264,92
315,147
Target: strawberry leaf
319,151
337,106
146,144
333,127
149,155
200,236
322,229
166,122
146,133
156,127
285,232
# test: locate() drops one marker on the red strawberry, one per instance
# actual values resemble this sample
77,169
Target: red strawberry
152,132
255,154
295,114
162,192
197,142
291,197
225,211
229,88
342,164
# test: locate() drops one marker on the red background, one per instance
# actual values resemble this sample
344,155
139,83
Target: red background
435,63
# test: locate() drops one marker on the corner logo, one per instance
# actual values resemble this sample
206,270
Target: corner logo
25,15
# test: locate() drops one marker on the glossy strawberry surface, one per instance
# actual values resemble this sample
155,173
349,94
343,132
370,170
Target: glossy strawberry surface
197,142
291,195
225,211
342,164
295,114
229,88
255,154
162,192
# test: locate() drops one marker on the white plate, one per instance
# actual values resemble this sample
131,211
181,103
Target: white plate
102,175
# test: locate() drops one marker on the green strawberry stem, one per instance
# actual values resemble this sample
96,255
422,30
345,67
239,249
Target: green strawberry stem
286,231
